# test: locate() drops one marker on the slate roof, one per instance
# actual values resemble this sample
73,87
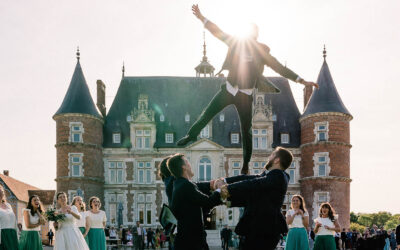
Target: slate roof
326,98
78,98
18,188
175,96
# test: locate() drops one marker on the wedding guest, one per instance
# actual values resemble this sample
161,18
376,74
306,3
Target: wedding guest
50,235
68,235
113,233
398,235
387,240
81,207
325,227
33,218
8,224
297,220
95,223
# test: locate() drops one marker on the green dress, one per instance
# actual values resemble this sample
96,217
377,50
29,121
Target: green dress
297,238
96,235
8,225
30,238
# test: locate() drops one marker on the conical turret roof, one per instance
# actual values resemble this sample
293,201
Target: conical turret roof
326,98
78,98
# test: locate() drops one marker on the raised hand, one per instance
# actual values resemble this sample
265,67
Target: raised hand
219,183
312,84
196,12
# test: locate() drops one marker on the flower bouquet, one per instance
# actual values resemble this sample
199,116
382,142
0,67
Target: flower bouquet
53,215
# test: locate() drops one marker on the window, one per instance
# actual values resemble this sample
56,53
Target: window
259,138
75,164
292,175
284,138
222,117
144,173
117,138
321,131
236,168
321,164
257,167
144,208
274,119
205,132
235,138
204,169
162,118
116,172
76,131
187,118
169,138
143,139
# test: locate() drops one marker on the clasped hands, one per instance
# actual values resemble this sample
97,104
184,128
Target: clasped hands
220,184
325,226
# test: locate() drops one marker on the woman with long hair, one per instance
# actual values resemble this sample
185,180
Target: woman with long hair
68,235
326,224
81,207
297,220
33,219
95,223
8,224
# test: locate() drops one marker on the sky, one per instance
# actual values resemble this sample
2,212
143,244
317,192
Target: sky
38,41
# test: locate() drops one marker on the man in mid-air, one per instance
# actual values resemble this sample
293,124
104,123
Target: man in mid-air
245,61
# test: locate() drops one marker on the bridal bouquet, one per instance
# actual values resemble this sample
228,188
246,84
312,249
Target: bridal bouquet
53,215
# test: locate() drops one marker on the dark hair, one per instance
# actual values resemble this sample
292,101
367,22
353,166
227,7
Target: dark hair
175,164
83,206
30,207
60,193
164,172
331,213
91,200
302,203
285,157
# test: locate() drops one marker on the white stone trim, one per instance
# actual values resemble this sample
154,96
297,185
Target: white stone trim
71,132
317,130
70,163
317,163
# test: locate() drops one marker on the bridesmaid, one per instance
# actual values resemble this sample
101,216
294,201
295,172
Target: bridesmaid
325,227
95,223
30,236
8,224
81,223
297,220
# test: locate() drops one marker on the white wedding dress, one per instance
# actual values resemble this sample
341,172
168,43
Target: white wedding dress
68,236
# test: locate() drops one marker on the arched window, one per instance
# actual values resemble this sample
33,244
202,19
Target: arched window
204,169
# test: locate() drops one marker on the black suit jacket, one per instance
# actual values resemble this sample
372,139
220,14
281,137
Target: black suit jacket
262,196
187,203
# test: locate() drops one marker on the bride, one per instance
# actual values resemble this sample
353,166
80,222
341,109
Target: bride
68,235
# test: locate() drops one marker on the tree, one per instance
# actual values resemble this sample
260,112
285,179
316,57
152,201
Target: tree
391,224
381,218
365,220
353,217
355,226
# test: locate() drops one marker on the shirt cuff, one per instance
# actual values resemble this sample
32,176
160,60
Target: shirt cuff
299,79
225,181
218,190
205,21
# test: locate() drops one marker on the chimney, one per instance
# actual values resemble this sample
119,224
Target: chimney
6,172
101,97
307,91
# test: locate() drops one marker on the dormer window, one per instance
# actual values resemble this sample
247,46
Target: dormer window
162,118
222,117
321,131
116,137
234,138
143,138
169,138
284,138
205,132
187,118
76,131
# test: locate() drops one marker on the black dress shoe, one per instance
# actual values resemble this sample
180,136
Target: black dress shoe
184,140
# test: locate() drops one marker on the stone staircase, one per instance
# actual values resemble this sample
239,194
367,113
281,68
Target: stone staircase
213,238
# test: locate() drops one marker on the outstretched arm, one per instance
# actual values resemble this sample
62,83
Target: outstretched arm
212,27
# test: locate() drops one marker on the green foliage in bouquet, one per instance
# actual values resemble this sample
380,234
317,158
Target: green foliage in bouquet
53,215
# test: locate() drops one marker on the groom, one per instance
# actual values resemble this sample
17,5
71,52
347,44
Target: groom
245,61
